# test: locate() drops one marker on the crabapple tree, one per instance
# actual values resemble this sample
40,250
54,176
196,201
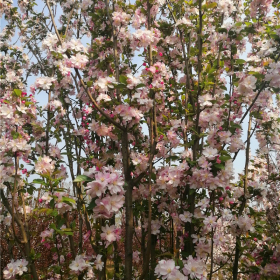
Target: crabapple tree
123,125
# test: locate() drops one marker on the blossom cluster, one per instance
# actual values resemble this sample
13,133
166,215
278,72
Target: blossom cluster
14,268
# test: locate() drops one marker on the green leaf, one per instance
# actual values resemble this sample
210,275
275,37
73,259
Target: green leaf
61,222
140,85
89,83
172,158
52,203
17,92
256,115
57,269
240,61
32,254
49,212
211,5
180,263
39,181
256,74
15,134
250,257
235,125
110,249
222,30
120,86
225,158
64,231
219,166
83,178
233,49
73,225
91,205
53,226
69,200
123,79
54,213
211,70
30,190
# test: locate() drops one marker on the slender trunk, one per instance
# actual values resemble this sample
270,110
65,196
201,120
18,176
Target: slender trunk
128,209
116,262
143,235
237,243
212,241
153,139
48,124
25,235
236,258
129,234
116,255
153,257
102,273
70,238
189,228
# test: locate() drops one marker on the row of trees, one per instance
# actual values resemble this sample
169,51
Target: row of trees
146,105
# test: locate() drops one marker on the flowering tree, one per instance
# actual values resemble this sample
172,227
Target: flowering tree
145,106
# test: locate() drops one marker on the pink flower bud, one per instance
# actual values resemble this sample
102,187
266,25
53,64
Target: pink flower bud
218,160
160,54
221,199
255,239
